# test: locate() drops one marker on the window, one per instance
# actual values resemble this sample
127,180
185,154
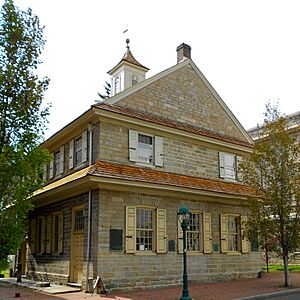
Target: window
56,162
56,166
79,220
134,79
144,148
55,233
78,150
198,234
145,230
231,234
228,164
118,84
193,237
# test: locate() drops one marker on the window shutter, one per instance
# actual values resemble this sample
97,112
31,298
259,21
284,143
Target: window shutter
71,154
133,145
159,151
222,164
84,146
224,233
61,159
161,231
180,238
130,237
48,234
207,233
239,175
33,235
245,241
43,235
51,165
60,233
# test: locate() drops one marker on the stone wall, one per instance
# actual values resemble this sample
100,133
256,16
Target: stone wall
183,96
179,156
120,270
56,267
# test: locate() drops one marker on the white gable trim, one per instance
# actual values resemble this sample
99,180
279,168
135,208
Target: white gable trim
162,74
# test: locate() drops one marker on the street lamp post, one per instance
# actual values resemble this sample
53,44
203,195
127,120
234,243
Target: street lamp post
184,216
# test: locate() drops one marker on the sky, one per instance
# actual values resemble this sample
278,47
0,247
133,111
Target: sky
249,50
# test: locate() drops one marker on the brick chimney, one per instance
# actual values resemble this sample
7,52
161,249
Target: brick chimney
183,52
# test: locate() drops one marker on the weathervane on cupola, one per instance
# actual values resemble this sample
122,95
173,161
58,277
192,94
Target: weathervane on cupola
127,72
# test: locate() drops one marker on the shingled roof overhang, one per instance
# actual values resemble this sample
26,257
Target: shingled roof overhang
104,173
210,136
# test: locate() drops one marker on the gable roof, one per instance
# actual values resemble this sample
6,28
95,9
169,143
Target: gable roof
118,97
126,173
169,123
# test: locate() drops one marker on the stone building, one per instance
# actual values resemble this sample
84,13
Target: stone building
121,171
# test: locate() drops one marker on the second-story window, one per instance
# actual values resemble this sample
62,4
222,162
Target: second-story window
78,150
228,164
144,148
57,162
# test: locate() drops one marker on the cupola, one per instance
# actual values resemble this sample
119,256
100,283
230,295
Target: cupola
126,73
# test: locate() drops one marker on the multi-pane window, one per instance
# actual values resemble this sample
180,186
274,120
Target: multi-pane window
145,148
233,233
78,150
57,162
79,220
144,229
193,237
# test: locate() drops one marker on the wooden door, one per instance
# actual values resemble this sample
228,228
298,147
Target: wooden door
77,245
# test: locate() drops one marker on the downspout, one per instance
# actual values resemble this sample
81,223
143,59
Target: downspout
88,250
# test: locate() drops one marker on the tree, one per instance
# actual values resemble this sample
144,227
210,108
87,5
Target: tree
107,88
22,122
273,171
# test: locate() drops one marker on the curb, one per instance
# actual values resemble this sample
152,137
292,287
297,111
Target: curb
271,295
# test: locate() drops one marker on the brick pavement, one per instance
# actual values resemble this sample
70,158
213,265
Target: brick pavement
211,291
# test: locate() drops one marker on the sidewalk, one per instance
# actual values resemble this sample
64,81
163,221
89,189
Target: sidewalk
270,283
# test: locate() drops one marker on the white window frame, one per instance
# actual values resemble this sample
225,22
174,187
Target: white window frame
156,157
77,150
226,171
56,163
145,231
191,231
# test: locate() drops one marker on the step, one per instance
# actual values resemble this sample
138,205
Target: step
74,284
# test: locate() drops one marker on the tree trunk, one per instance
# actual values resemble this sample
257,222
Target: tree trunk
267,258
287,281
